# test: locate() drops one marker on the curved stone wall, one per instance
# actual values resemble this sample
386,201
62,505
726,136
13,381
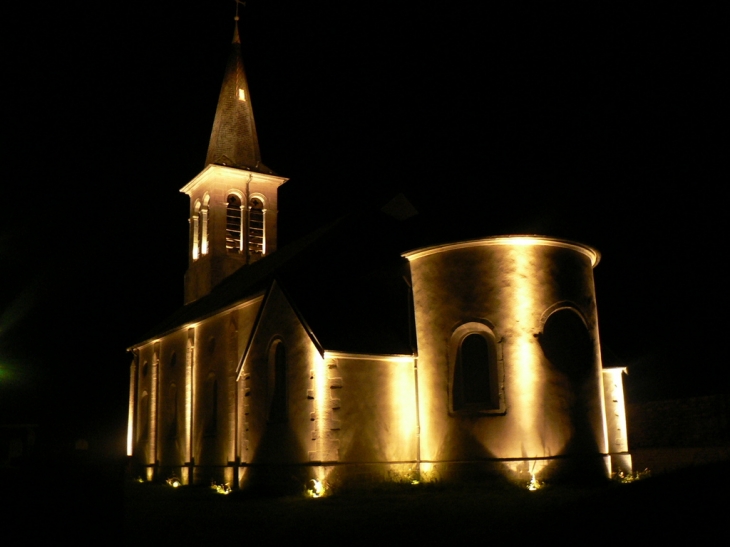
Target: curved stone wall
535,297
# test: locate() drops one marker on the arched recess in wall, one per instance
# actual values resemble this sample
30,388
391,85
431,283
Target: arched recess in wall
476,371
234,219
566,342
256,226
277,384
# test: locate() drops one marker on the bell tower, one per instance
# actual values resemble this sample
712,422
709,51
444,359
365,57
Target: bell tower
233,200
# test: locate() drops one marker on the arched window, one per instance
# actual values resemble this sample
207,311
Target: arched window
256,235
195,222
472,384
476,371
233,224
204,226
278,408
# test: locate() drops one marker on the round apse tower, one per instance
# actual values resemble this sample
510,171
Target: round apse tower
509,367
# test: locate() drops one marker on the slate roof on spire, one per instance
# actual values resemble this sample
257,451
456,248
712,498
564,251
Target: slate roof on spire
233,141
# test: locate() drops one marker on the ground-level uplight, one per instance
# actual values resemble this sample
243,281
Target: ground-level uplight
534,484
224,488
315,488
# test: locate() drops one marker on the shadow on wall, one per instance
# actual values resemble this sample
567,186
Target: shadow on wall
568,346
280,448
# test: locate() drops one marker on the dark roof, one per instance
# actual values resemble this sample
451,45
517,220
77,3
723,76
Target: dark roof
347,280
234,141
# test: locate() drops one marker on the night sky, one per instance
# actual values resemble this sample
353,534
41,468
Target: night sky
598,125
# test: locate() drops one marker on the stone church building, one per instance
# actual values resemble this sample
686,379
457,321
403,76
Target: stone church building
349,356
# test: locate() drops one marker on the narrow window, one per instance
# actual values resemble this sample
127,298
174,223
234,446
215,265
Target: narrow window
195,221
172,412
471,377
277,381
233,224
256,241
204,226
210,427
144,417
475,371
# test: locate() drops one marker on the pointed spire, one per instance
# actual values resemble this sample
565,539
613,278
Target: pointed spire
236,37
233,141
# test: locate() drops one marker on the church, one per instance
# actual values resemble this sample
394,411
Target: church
349,356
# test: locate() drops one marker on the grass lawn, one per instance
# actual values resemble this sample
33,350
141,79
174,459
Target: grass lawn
691,504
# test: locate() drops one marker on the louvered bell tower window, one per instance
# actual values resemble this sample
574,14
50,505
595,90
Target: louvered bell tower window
256,241
233,224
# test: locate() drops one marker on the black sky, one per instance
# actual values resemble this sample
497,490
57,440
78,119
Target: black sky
598,124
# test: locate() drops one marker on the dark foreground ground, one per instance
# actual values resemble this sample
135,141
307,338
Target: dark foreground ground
692,504
98,505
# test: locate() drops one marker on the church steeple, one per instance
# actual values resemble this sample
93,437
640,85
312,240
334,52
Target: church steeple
233,141
233,200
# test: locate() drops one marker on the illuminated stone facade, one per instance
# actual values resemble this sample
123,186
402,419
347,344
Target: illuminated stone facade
298,364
